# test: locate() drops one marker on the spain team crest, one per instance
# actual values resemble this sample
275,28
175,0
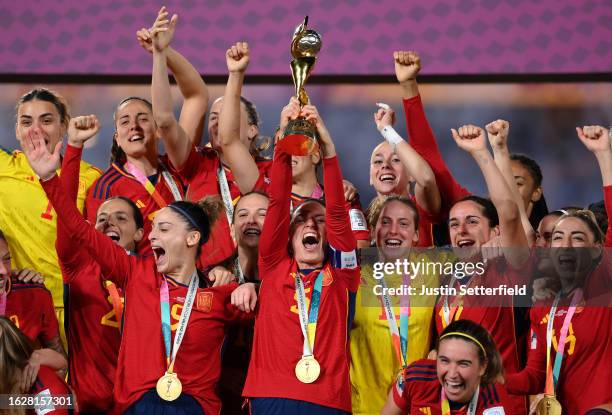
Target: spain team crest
204,301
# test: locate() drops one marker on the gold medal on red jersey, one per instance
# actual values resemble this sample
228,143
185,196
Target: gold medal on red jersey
169,387
548,405
307,369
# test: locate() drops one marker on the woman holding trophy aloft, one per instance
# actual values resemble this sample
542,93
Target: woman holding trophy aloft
308,265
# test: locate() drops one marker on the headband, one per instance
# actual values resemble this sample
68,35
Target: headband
189,218
467,336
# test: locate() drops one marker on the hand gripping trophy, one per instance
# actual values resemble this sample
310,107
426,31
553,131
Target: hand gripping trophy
299,138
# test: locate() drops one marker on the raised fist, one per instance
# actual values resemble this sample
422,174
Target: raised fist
470,138
237,57
82,129
497,131
407,65
595,138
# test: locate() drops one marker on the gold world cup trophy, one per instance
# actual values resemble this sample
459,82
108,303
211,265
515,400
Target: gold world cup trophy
299,137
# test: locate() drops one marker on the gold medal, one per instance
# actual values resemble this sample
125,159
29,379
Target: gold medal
307,369
548,405
169,387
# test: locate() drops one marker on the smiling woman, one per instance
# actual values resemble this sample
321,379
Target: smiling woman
462,376
26,215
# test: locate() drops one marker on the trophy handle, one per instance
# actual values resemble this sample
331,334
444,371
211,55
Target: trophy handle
300,71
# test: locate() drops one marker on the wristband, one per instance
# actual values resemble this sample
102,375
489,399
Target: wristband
392,137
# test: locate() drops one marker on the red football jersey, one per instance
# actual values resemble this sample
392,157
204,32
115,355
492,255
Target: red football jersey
142,359
116,181
497,317
30,308
278,341
48,385
587,355
421,393
93,328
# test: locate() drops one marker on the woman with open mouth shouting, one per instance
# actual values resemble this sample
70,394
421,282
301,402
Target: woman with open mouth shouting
474,221
386,336
572,340
164,293
307,264
460,381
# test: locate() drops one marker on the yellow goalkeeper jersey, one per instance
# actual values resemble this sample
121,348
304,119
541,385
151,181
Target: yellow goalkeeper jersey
28,220
374,363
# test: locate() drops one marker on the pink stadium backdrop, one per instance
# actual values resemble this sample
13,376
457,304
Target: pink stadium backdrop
453,36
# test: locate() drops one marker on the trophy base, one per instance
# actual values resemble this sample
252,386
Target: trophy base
299,138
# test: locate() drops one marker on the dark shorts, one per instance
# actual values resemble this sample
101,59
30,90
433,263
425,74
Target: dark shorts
151,404
282,406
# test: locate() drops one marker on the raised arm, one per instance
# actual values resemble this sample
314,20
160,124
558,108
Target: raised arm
426,190
275,232
472,139
80,130
339,232
113,260
497,132
176,141
597,140
422,139
194,90
235,153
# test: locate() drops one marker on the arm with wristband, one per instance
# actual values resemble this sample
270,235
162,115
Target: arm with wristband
426,189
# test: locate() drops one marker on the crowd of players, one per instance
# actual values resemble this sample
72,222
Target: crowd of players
198,281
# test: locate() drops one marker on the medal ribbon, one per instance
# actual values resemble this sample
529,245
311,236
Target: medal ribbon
308,323
150,188
164,299
446,405
229,211
399,337
317,193
552,376
115,299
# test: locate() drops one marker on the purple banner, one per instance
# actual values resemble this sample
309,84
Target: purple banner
359,36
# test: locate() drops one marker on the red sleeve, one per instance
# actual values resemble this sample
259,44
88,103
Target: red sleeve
275,232
402,400
233,313
68,249
48,384
531,379
190,168
339,232
50,326
92,203
113,259
608,205
424,142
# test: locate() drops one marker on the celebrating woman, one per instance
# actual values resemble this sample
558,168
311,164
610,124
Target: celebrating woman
307,265
381,348
566,349
26,215
162,379
460,380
